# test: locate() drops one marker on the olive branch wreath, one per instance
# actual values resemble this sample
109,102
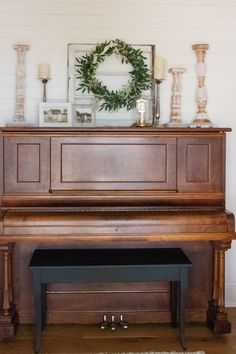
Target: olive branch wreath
140,78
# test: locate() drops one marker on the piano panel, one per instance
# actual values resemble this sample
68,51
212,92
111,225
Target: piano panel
201,164
27,166
87,163
28,162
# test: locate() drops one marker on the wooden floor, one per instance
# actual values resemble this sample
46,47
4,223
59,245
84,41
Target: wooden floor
71,339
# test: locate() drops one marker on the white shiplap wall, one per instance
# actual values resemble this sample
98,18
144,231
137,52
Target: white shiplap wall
172,25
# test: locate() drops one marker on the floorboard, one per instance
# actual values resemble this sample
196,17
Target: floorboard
87,339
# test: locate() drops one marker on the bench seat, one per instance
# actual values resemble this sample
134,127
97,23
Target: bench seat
110,265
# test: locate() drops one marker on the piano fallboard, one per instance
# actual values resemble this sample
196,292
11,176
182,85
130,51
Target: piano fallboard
118,225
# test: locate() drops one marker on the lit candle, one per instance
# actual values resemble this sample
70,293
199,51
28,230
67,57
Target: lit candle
44,71
159,69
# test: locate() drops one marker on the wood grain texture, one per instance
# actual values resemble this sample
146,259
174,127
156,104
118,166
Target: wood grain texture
118,187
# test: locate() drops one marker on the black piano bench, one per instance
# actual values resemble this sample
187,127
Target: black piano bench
110,265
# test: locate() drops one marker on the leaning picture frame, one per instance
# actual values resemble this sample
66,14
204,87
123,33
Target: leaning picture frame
84,114
115,76
54,114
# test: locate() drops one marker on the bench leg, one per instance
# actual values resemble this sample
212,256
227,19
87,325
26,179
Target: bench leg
39,310
44,305
174,302
182,315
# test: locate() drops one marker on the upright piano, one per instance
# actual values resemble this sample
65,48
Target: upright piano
114,187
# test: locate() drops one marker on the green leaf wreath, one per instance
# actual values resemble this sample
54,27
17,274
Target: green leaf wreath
113,100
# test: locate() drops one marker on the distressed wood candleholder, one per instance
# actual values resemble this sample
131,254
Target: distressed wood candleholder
175,114
19,118
201,118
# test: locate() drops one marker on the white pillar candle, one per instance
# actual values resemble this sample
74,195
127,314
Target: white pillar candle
159,69
44,71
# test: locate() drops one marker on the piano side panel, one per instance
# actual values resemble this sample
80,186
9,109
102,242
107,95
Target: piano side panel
1,168
27,164
1,216
201,164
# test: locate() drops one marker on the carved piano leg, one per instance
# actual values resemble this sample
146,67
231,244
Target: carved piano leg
216,315
8,317
215,291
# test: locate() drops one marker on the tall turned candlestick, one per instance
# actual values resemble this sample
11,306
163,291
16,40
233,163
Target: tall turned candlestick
44,81
175,114
44,75
158,76
157,106
201,118
20,78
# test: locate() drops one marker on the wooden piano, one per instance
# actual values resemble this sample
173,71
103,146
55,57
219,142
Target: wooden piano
114,187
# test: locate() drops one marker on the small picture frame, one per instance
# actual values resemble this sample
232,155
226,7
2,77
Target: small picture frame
55,114
84,114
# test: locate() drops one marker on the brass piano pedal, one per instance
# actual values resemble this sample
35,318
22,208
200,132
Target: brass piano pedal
122,323
113,324
104,323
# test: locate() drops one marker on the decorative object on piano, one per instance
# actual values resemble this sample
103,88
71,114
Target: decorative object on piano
143,118
84,114
19,119
113,100
159,75
55,114
201,118
44,75
114,74
175,113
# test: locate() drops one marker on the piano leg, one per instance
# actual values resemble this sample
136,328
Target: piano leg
216,314
8,317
